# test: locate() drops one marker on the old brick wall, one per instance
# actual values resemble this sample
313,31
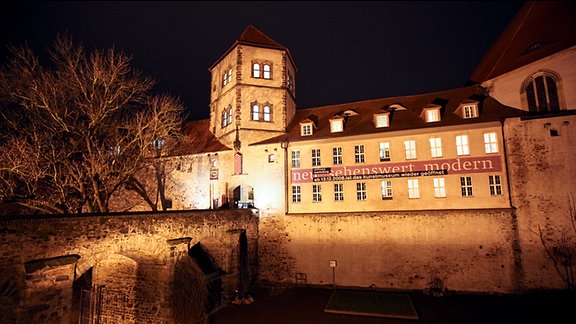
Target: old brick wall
541,158
468,250
41,256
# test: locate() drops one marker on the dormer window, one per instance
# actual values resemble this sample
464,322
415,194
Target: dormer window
307,125
432,115
337,125
306,129
382,120
468,109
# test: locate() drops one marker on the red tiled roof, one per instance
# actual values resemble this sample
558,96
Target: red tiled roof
199,139
400,119
251,36
540,29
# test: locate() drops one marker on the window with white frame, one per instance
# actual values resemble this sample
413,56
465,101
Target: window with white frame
296,194
469,111
337,155
227,77
306,129
432,115
255,112
315,157
259,113
439,188
290,82
224,118
495,185
359,154
490,142
338,192
541,92
466,186
361,191
267,113
227,116
384,151
336,125
316,193
462,147
386,189
256,70
295,159
436,147
382,120
413,190
267,71
410,147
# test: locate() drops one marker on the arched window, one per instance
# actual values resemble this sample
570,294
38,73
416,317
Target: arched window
224,118
267,71
267,113
256,70
541,92
255,112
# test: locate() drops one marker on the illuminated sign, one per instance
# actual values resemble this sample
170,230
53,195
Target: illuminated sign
399,170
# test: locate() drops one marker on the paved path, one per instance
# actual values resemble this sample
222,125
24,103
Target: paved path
305,305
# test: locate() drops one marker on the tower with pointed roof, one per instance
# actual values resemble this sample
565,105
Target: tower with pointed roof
252,94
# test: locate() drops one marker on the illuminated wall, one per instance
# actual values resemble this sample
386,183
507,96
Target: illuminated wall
449,166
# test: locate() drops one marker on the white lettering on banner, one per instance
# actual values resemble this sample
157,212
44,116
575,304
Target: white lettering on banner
397,170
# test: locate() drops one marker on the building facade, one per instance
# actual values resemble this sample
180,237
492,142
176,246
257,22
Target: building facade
463,187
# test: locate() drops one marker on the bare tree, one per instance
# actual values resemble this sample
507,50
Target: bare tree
73,134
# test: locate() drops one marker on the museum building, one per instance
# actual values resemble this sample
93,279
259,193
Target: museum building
461,185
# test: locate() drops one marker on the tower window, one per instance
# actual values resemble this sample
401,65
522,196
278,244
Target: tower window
258,113
262,70
267,71
256,70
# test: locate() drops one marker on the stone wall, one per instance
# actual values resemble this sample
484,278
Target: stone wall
41,257
468,250
541,157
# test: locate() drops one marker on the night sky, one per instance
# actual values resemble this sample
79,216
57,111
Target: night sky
345,51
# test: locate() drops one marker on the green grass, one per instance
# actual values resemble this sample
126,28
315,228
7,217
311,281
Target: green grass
371,303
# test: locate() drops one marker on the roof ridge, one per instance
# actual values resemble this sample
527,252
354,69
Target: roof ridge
252,35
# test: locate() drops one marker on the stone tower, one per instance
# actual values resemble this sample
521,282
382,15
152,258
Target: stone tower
252,95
